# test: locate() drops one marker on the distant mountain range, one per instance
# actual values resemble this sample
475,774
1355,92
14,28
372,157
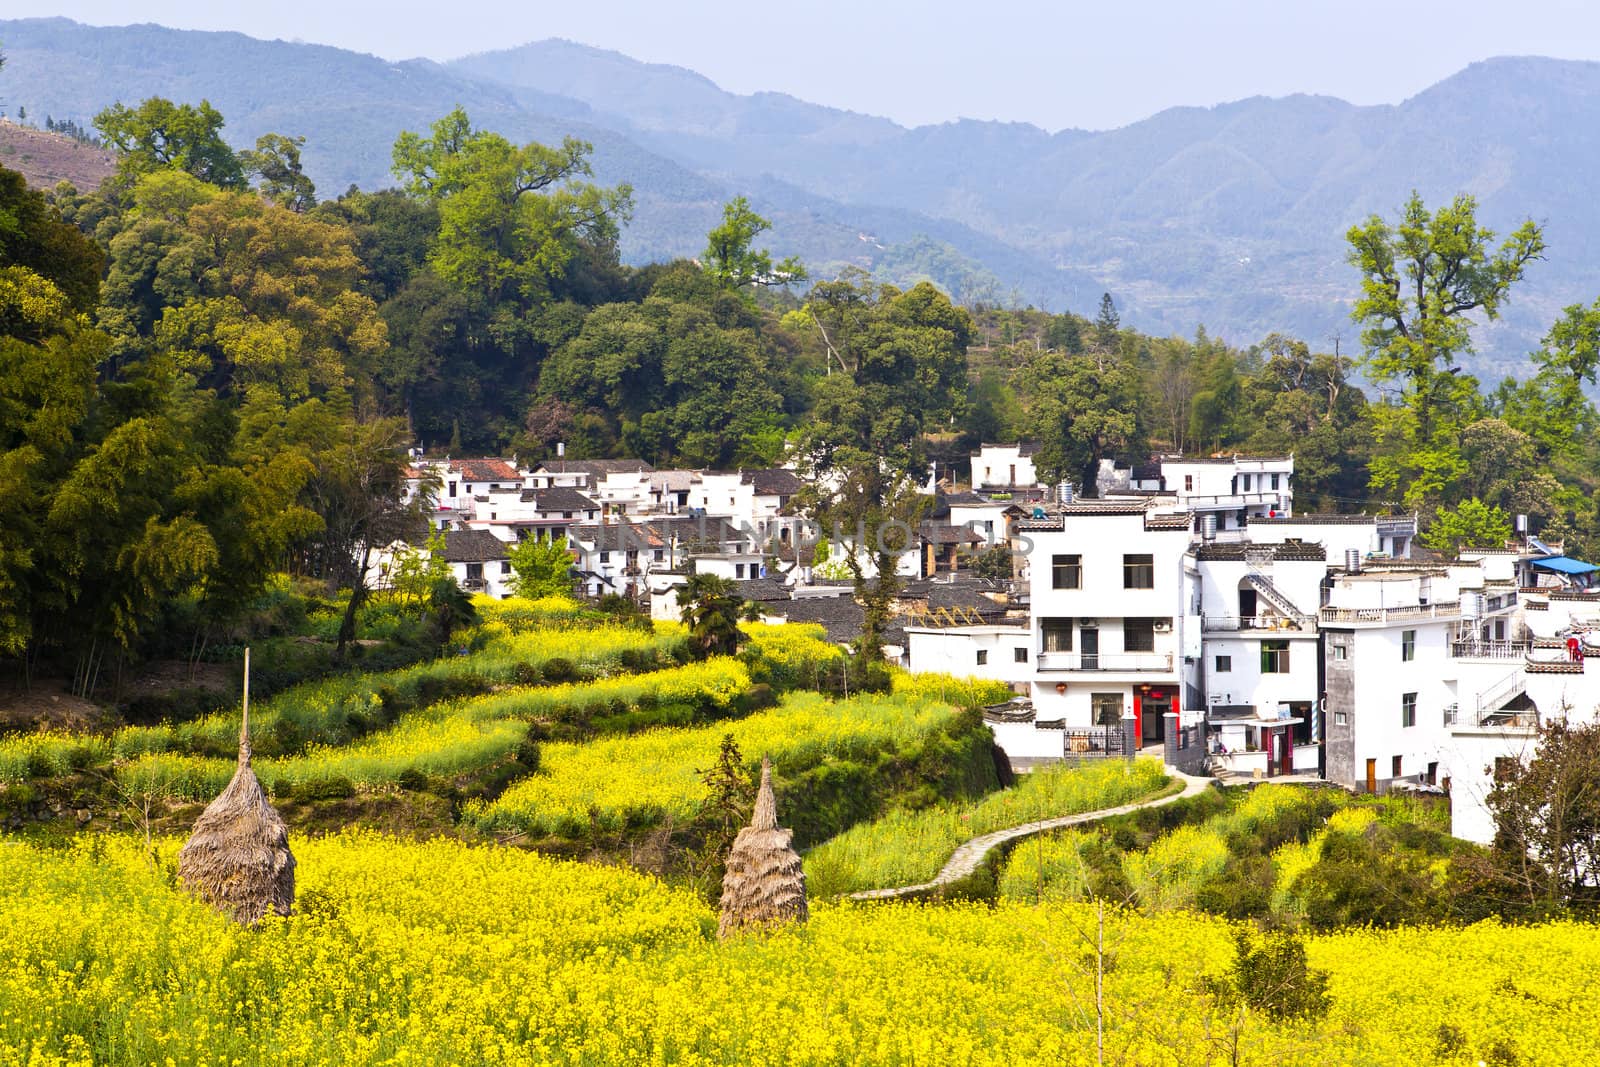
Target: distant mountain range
1231,216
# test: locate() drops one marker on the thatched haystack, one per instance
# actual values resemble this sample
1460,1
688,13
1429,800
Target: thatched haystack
765,884
238,859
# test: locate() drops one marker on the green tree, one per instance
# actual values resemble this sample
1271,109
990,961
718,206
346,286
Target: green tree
1082,409
730,259
687,382
902,373
710,607
33,236
47,384
1308,404
1422,279
543,567
1107,325
1547,818
1472,525
275,161
1065,333
450,608
416,571
239,291
1271,975
510,218
161,135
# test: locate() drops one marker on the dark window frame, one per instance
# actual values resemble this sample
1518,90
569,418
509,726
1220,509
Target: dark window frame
1138,635
1062,630
1066,571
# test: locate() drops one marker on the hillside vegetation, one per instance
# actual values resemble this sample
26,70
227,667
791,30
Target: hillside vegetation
1228,216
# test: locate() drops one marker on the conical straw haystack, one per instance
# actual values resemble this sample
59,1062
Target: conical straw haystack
238,859
765,884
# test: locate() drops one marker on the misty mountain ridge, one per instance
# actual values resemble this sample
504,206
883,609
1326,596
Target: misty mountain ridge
1231,215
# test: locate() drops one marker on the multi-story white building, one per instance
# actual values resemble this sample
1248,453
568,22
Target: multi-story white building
1106,599
1388,635
1258,672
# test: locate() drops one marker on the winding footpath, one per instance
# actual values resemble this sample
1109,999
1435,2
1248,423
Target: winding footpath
969,855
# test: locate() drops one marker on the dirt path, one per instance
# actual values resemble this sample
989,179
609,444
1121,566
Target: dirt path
966,857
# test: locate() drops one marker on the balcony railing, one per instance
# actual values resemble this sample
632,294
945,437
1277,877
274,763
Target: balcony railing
1105,661
1489,649
1444,610
1225,501
1231,623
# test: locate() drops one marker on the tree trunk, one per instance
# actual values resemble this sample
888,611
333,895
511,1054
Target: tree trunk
358,595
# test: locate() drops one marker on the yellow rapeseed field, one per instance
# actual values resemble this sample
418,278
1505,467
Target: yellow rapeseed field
640,779
440,953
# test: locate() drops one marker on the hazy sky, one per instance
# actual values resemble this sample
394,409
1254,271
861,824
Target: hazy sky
1068,63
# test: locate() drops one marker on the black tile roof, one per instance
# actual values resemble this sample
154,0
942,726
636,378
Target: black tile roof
1315,520
473,546
595,466
1238,550
558,498
944,534
762,590
963,595
773,481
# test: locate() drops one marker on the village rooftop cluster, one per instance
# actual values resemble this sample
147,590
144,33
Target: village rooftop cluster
1186,608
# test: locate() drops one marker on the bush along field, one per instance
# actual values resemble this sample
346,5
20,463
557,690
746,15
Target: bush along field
440,952
1287,856
909,845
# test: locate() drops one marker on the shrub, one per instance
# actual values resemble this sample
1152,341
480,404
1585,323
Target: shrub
332,788
559,670
1271,976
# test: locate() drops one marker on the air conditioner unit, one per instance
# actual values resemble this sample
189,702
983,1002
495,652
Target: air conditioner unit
1088,622
1162,626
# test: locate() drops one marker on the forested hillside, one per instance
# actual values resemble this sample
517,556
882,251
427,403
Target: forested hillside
350,106
212,372
1231,216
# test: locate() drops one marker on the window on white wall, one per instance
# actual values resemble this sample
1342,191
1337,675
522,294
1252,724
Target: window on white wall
1107,708
1408,709
983,656
1057,635
1224,664
1408,645
1019,655
1138,635
1066,572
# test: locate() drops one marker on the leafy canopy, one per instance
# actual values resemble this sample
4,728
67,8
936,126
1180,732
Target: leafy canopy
730,259
510,217
542,567
158,135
